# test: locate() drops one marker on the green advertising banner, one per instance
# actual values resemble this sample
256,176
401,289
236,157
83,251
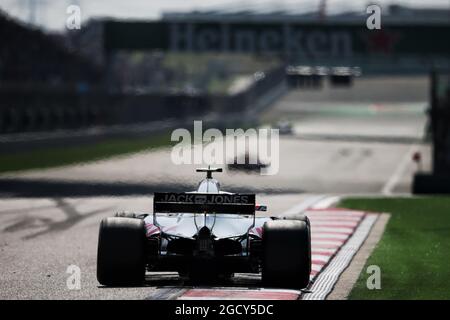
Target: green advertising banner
310,40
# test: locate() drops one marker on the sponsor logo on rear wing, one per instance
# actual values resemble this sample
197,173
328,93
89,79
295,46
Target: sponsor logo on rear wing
204,203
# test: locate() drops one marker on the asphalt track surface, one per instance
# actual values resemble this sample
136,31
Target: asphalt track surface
357,141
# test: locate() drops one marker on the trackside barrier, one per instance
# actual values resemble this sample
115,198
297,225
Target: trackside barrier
438,180
34,110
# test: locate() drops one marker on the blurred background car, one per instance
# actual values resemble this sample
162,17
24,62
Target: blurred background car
284,127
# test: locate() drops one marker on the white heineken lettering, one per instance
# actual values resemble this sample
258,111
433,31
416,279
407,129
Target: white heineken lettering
316,43
225,37
269,41
341,44
245,41
287,38
207,40
295,42
181,37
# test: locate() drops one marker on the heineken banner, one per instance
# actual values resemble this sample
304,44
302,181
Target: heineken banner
309,40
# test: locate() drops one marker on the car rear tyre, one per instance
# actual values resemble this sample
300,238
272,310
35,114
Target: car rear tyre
286,254
120,255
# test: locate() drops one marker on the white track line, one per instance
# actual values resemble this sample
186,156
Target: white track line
304,205
398,173
326,203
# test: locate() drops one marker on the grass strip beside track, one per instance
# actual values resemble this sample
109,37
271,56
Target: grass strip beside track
414,252
61,156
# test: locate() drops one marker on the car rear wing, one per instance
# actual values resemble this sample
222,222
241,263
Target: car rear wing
238,203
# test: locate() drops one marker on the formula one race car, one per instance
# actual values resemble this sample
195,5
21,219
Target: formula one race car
205,234
284,127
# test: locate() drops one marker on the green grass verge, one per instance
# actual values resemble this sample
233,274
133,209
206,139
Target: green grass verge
61,156
414,252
